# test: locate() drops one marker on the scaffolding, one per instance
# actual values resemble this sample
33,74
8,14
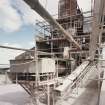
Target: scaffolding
51,43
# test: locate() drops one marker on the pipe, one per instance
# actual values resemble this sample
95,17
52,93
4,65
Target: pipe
28,50
14,48
35,5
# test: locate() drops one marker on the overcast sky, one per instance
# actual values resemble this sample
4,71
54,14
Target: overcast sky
17,24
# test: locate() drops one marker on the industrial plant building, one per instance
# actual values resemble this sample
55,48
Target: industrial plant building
63,58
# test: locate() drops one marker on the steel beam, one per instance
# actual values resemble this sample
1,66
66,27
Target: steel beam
97,25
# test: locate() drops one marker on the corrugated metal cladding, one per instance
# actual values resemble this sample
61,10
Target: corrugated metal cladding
67,8
44,65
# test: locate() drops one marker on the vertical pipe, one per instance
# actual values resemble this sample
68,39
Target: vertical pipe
6,77
48,94
16,78
36,65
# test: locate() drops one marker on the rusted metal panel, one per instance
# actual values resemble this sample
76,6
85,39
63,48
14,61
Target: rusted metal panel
67,8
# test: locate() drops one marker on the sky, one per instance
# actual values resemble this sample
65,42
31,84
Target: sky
17,24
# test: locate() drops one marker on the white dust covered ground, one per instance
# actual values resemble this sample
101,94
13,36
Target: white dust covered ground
13,94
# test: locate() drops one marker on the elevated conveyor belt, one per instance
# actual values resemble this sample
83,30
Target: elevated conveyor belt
68,82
